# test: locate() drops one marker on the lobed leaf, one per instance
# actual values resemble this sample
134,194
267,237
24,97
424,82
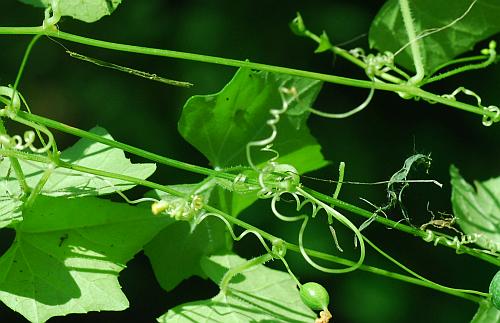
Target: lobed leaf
387,32
220,125
477,210
68,253
259,294
84,10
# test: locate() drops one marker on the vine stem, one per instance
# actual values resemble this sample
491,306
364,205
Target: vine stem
354,60
38,31
397,88
383,272
23,62
461,60
414,43
116,144
210,172
438,286
399,226
16,166
246,226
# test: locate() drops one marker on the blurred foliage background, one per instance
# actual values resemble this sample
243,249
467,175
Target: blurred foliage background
374,143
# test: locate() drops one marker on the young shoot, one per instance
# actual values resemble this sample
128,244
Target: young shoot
488,56
179,208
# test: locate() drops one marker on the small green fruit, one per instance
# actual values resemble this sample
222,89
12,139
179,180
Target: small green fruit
314,296
495,290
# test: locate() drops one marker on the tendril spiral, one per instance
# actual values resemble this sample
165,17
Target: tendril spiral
21,143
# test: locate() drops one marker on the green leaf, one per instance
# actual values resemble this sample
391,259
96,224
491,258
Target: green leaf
176,251
65,182
259,294
10,204
477,210
387,32
324,43
68,253
220,125
84,10
99,156
486,313
10,211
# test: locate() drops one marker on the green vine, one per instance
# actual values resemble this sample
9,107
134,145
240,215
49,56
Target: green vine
272,179
398,88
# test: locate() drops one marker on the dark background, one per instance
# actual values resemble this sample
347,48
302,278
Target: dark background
374,143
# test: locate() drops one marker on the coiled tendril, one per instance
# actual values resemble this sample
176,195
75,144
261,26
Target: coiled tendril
21,143
457,243
276,179
487,120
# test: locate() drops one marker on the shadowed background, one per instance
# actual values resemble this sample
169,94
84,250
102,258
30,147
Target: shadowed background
374,143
